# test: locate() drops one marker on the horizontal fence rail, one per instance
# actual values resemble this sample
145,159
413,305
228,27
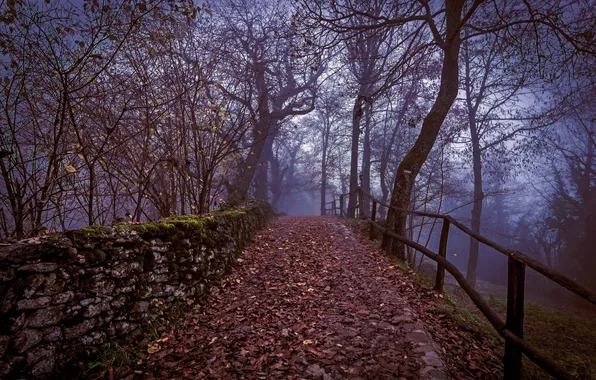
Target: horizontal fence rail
512,328
334,207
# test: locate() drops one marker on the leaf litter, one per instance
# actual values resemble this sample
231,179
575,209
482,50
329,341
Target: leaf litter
311,299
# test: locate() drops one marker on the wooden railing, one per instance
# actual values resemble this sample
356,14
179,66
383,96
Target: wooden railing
334,206
512,328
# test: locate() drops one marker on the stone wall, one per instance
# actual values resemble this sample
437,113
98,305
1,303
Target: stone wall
62,293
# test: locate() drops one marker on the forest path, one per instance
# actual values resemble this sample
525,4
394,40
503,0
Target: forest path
309,299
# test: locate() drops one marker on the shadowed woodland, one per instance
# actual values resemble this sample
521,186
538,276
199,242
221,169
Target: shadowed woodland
117,112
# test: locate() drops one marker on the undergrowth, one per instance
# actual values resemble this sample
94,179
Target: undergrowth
112,355
567,337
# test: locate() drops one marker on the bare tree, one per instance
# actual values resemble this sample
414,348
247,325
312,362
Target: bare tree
258,44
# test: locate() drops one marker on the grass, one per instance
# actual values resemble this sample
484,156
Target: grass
566,336
112,355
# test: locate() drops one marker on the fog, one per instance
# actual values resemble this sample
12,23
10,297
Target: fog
181,108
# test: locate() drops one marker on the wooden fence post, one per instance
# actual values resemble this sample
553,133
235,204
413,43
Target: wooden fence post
371,234
341,205
515,317
440,279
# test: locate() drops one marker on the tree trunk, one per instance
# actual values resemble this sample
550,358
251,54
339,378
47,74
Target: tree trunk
204,195
410,166
325,135
472,106
261,179
277,177
91,199
356,117
238,187
14,200
478,198
366,153
323,183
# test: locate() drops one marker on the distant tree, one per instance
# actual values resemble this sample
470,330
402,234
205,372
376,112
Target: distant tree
273,79
572,200
493,78
326,123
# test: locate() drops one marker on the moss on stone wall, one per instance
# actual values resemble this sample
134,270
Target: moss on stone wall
183,225
93,232
96,255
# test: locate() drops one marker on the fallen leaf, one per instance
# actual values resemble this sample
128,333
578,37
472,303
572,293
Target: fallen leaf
152,348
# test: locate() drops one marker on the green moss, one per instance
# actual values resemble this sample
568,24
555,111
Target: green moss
93,232
146,262
101,255
187,226
138,228
230,213
54,238
144,249
173,267
159,228
141,260
95,255
190,223
174,228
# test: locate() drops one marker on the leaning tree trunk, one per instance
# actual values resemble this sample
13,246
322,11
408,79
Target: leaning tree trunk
410,166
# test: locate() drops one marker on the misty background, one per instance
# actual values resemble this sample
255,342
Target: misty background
128,111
